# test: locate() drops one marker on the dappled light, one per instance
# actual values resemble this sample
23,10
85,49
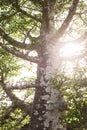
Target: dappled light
43,65
27,73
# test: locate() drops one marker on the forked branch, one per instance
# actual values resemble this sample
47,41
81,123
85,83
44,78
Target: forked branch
15,43
27,108
19,54
68,19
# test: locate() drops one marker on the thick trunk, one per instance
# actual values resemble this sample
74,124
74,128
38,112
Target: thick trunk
48,105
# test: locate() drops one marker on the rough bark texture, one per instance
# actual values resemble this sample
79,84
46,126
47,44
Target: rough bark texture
48,106
48,101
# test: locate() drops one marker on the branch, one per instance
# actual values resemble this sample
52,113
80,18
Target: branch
16,5
15,43
29,15
68,19
20,54
20,86
16,101
84,21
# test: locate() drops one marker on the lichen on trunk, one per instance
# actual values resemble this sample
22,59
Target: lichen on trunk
48,105
48,102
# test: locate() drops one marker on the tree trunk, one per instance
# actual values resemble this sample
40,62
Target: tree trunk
48,105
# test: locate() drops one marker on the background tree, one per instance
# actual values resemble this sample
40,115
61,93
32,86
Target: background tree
42,27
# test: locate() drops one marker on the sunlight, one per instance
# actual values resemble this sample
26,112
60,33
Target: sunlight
71,50
71,53
27,72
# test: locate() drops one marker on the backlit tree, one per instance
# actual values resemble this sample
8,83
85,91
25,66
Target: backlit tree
42,26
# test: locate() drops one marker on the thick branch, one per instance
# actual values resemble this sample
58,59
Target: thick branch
48,15
21,86
15,43
19,54
68,19
16,101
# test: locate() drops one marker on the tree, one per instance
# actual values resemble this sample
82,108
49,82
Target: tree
28,26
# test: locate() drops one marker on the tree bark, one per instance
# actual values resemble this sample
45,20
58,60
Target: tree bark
48,105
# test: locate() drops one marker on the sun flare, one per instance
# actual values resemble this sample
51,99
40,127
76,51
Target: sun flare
71,50
70,54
